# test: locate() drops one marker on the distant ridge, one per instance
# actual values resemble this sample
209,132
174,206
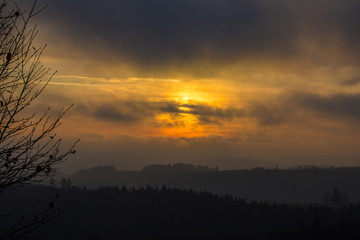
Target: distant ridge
302,184
177,168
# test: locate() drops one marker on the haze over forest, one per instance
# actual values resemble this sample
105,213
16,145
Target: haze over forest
302,185
221,83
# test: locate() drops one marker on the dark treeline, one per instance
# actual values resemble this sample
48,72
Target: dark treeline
300,185
166,213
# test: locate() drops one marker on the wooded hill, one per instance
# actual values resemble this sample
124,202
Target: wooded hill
166,213
298,185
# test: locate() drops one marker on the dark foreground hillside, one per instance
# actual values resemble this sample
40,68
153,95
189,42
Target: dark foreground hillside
121,213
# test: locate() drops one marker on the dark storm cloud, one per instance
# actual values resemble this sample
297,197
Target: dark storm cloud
171,32
337,106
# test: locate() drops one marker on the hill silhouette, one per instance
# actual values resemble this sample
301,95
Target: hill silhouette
299,185
167,213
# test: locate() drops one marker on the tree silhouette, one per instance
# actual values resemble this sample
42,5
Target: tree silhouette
29,147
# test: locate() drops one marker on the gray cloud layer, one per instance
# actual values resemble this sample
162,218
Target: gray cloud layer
132,112
162,32
339,106
137,111
335,106
351,82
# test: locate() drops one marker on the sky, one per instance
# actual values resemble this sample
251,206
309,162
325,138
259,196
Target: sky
227,83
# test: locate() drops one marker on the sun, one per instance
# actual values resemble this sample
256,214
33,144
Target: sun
188,98
185,122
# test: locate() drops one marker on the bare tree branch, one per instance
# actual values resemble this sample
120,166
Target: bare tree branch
29,146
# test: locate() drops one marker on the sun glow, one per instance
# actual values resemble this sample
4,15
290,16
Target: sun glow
186,98
197,104
170,108
185,122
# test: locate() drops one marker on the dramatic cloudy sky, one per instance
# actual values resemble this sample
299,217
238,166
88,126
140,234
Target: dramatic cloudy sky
232,83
